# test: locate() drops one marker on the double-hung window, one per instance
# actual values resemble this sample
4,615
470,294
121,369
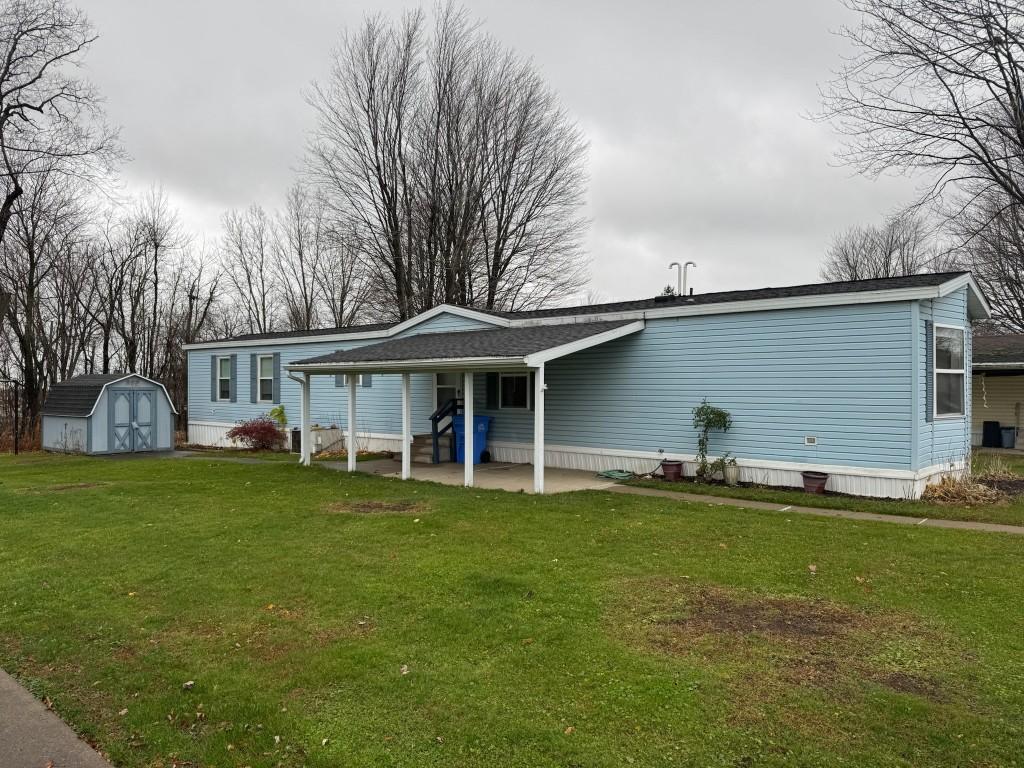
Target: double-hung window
265,378
515,391
223,378
359,380
949,371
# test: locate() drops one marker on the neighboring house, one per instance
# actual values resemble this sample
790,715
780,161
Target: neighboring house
108,413
867,381
998,383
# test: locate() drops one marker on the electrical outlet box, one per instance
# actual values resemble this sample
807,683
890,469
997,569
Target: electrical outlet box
810,440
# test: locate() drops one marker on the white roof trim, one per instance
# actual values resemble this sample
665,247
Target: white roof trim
977,305
425,364
539,358
381,333
451,309
170,402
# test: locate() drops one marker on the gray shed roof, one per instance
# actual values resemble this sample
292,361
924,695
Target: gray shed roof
512,343
1004,349
77,396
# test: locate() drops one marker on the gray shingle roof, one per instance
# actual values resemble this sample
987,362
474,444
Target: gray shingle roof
499,342
1005,348
77,396
365,328
792,291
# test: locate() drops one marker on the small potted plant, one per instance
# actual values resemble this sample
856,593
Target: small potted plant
730,470
706,419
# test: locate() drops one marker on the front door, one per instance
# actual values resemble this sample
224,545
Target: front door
142,423
131,420
121,431
447,386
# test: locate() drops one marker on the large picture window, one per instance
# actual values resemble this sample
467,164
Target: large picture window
949,371
515,391
223,378
266,378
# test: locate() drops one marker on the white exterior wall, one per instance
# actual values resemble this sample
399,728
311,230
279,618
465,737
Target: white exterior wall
67,434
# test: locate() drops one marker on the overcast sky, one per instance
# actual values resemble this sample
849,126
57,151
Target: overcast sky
695,113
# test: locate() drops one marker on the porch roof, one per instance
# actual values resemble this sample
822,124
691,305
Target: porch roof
513,347
999,351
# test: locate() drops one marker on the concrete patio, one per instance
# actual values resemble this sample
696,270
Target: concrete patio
494,475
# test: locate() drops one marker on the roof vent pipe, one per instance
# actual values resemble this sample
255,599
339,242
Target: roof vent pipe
681,270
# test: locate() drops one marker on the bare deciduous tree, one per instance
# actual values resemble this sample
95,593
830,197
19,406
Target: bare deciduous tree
936,86
902,245
451,163
992,233
46,114
249,266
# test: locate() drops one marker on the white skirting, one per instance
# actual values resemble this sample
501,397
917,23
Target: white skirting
214,434
857,481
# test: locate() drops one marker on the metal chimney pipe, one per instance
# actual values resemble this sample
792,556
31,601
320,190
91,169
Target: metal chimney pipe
679,277
682,289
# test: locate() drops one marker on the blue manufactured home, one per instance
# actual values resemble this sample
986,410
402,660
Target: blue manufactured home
868,381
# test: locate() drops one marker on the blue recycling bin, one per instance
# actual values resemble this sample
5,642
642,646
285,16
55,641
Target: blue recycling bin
482,426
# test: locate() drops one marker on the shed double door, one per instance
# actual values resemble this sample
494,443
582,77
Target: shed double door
131,420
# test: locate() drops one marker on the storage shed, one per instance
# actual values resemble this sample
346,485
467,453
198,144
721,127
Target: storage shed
108,413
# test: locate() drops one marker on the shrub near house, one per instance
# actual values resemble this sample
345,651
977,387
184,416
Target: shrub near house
259,434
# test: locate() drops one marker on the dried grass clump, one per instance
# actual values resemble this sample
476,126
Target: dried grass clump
963,492
996,468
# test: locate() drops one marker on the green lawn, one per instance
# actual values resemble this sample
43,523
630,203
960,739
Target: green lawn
1011,513
472,628
283,456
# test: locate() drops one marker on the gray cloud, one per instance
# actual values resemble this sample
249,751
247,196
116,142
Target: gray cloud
694,110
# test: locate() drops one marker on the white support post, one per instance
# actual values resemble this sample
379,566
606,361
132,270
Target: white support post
538,430
406,426
353,383
467,394
305,451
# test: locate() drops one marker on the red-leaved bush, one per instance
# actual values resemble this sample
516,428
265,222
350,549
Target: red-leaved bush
259,434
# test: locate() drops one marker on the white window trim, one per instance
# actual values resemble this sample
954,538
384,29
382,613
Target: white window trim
518,374
344,380
936,371
222,378
260,378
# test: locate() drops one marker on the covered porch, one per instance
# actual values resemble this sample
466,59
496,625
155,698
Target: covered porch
509,350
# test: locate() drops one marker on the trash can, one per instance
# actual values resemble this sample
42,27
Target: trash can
482,425
296,440
991,436
1009,437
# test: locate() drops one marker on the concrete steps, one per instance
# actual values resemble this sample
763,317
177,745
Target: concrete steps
423,451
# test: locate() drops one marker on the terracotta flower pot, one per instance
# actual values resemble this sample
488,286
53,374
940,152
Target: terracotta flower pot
814,482
672,470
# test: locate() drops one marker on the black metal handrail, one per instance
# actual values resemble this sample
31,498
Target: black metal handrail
450,409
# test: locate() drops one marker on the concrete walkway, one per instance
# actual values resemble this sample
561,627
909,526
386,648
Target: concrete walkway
31,736
847,514
519,477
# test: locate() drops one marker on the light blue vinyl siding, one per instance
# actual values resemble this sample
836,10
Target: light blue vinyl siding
944,440
379,406
444,322
842,374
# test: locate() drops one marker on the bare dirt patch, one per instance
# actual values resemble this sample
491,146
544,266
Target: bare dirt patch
775,646
367,507
68,487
